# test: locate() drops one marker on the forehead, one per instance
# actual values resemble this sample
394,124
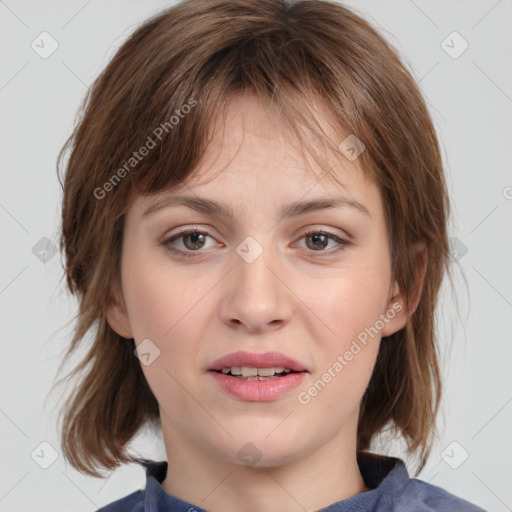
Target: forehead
252,140
252,148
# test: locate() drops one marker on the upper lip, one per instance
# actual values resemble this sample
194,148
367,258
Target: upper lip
257,360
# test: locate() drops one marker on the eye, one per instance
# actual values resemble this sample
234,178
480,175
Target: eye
317,240
194,240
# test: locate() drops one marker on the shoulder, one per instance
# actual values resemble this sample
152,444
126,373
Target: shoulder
132,503
426,497
392,489
135,501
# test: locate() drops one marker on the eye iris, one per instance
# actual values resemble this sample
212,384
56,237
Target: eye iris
317,238
194,238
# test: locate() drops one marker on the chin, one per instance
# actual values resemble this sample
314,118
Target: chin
253,449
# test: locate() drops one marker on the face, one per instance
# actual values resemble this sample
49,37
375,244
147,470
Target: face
313,285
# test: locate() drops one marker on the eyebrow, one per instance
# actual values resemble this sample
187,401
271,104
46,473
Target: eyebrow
210,207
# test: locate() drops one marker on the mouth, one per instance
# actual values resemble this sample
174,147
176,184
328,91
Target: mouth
257,383
253,373
256,364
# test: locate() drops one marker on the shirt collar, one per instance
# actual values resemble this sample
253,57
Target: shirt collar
382,474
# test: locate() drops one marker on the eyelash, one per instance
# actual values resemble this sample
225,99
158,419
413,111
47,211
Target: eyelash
191,254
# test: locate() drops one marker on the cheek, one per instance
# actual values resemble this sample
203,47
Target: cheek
161,298
347,303
165,307
348,307
347,351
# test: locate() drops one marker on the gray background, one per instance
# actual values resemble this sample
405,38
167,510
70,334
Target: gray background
470,98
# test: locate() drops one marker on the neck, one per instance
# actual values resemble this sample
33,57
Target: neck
305,483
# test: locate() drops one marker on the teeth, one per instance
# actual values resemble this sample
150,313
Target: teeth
250,371
267,372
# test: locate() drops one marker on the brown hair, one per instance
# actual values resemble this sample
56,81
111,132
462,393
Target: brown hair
293,56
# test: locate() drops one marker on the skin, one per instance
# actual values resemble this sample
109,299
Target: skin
290,299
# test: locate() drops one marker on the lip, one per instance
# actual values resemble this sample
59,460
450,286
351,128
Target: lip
257,390
257,360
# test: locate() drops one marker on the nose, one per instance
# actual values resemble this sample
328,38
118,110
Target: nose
256,297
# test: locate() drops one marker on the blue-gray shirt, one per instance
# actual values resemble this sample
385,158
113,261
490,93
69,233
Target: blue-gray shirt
391,490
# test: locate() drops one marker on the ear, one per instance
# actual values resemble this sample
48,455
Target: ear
396,311
117,317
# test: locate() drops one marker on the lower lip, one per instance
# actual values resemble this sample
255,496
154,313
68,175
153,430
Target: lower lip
258,390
